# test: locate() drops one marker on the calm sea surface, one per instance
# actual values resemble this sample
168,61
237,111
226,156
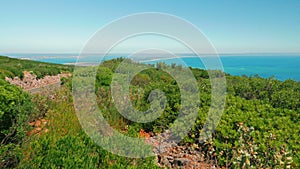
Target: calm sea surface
282,67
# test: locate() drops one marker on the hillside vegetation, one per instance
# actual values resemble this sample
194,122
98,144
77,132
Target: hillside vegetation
259,127
11,67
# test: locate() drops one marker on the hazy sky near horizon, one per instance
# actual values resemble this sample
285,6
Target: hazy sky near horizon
233,26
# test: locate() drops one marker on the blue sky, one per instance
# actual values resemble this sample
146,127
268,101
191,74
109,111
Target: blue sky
233,26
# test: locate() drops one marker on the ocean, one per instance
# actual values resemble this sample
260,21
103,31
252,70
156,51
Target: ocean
281,67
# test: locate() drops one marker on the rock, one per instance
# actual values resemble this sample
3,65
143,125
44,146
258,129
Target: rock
38,123
166,162
142,133
46,130
30,80
181,161
31,123
34,131
44,121
29,133
172,155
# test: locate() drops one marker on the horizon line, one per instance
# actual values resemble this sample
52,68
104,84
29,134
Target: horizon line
178,53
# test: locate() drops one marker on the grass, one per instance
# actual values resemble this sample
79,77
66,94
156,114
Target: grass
65,145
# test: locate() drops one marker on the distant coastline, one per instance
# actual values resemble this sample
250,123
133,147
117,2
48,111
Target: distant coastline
280,66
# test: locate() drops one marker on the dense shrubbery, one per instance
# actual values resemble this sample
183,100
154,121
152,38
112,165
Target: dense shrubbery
268,106
15,106
259,127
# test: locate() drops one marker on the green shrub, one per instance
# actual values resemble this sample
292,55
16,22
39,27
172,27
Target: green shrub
15,106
